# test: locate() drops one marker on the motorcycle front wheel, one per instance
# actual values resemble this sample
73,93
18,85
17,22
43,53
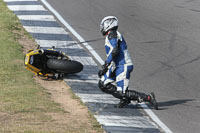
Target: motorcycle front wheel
65,66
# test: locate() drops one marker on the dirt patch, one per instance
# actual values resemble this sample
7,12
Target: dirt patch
76,114
60,93
27,44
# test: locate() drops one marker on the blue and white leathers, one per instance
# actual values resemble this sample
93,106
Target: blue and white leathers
121,65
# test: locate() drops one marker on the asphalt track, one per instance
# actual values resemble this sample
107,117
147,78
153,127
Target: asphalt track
164,41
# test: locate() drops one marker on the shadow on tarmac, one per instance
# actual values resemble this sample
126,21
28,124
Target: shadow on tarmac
163,105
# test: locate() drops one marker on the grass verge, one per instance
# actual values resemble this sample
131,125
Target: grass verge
24,105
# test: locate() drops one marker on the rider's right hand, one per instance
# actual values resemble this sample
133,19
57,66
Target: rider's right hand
102,72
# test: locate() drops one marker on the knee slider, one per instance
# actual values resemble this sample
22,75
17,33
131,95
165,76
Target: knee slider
101,85
107,88
110,88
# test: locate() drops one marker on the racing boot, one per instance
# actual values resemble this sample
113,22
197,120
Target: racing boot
152,100
123,102
140,97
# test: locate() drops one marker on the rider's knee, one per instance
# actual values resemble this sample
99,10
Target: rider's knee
107,88
101,85
110,88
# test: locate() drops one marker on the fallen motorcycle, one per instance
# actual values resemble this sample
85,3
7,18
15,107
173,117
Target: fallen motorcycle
51,63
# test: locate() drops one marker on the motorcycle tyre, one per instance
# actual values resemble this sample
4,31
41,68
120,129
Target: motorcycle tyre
65,66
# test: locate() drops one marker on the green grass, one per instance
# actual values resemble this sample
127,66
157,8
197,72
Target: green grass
18,92
24,105
21,100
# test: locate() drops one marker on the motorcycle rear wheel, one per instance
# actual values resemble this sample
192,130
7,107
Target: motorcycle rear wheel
65,66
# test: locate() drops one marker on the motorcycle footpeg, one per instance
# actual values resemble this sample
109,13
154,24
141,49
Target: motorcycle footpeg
58,76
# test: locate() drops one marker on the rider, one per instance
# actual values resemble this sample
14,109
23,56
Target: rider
118,66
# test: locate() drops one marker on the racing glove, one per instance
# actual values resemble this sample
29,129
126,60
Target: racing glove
104,69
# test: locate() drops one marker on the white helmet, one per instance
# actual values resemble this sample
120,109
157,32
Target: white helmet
108,23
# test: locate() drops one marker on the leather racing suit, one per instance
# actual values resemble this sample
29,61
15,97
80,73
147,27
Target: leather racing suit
119,62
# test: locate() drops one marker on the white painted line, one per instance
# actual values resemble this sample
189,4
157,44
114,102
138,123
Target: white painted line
155,118
26,8
131,121
90,78
98,98
82,80
84,60
17,0
93,52
56,43
47,30
37,17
